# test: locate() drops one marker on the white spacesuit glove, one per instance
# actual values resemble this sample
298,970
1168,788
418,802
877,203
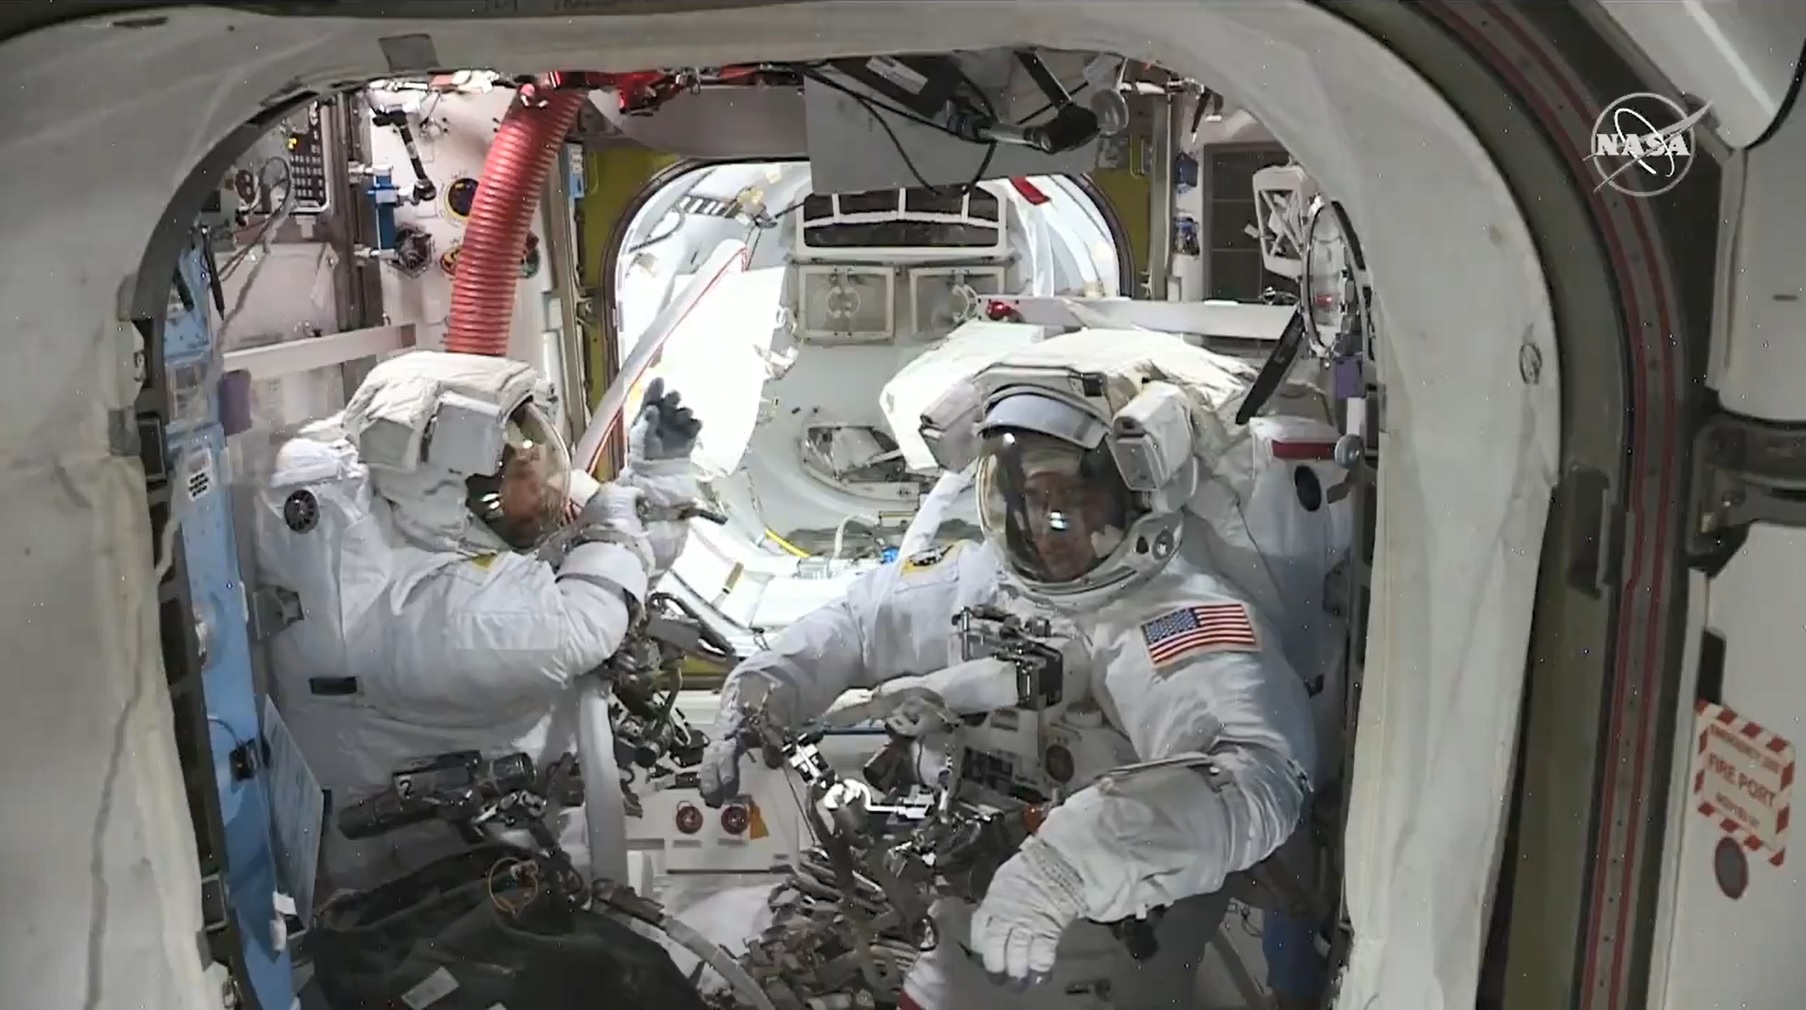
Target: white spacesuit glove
718,776
612,515
1030,902
615,506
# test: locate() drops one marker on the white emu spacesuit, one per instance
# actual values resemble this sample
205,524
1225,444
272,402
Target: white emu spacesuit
1089,450
412,531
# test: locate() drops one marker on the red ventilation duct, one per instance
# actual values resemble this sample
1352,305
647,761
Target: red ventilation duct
495,238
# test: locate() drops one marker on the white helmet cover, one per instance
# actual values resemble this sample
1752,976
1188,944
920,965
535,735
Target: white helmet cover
459,449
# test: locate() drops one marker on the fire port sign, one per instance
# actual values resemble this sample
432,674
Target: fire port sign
1743,780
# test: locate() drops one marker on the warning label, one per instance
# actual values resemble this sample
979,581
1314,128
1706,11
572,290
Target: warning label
1743,779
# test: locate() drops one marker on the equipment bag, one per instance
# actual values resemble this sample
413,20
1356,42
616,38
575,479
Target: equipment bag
462,934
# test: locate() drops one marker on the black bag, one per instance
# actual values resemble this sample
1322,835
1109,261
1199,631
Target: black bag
455,935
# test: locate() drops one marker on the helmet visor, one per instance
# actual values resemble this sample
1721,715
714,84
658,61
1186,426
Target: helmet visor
1327,276
1055,510
524,501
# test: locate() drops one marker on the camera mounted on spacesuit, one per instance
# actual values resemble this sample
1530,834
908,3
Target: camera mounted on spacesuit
1028,645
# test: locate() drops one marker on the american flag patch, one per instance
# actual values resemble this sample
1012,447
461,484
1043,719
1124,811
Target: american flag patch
1200,629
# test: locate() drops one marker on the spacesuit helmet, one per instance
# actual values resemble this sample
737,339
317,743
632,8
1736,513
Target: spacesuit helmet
525,499
1053,503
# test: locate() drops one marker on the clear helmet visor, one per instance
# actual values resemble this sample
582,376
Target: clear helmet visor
1327,277
1055,510
524,501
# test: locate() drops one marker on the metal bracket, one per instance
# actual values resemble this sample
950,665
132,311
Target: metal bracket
248,758
272,609
1745,471
216,904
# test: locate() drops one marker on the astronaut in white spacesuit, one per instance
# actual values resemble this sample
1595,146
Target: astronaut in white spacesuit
433,614
1080,499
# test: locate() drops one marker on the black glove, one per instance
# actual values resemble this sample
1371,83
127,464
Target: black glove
665,429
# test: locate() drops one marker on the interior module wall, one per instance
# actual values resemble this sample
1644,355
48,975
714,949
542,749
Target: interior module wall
286,287
277,294
453,131
278,277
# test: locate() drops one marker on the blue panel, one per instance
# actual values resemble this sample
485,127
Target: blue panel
188,336
572,157
204,503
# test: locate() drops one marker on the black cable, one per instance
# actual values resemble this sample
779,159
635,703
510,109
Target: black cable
761,225
870,103
276,214
656,239
873,108
796,204
991,112
764,223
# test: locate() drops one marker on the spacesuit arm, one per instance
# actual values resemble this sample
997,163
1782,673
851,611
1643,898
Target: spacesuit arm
806,666
1144,839
828,653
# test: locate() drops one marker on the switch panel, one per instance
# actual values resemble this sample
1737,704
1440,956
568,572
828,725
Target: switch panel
307,165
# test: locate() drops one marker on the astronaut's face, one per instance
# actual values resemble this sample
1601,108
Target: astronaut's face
525,499
525,495
1064,512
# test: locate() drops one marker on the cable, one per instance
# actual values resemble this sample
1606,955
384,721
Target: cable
277,214
870,104
430,106
522,871
268,803
788,547
840,536
769,222
771,535
665,235
990,112
873,108
791,209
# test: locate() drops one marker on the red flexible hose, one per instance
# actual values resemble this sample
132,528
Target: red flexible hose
501,217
